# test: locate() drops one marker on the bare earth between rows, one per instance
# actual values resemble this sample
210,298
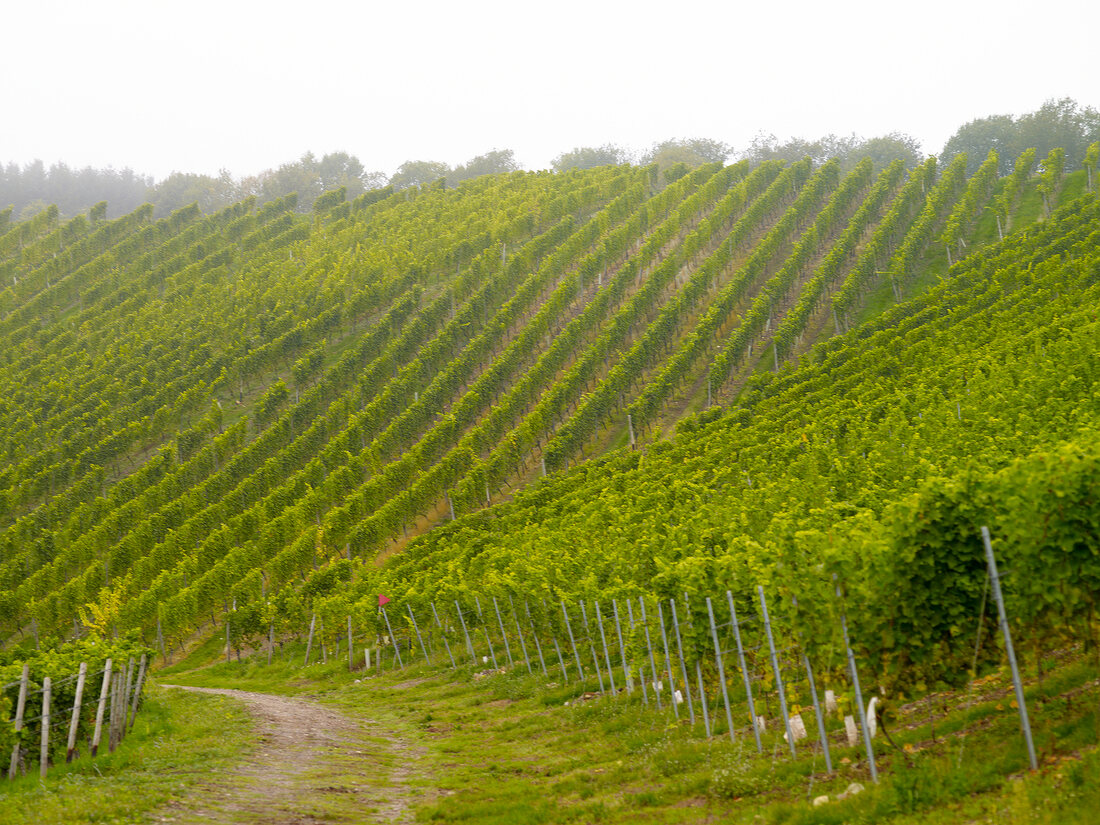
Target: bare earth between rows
312,765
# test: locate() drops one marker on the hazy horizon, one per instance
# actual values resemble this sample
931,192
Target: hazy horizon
247,86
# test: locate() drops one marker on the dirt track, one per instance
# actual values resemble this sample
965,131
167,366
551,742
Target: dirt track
313,765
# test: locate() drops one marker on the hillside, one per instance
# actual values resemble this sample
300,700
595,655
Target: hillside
198,412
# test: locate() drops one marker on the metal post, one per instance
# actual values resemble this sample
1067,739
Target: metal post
721,668
270,641
606,654
443,630
44,753
744,671
641,678
817,712
561,659
351,647
775,669
309,642
859,694
591,645
419,638
466,633
102,706
503,635
572,641
485,633
519,632
1025,724
649,647
702,696
683,664
668,659
20,707
622,649
534,635
393,639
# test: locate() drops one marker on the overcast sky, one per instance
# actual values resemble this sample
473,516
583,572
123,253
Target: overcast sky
198,86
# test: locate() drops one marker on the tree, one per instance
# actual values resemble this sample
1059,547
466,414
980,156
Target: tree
885,149
496,162
589,157
691,151
978,137
418,173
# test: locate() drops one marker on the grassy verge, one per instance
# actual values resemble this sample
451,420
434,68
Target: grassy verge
514,748
177,740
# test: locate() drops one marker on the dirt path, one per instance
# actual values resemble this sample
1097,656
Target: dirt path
312,765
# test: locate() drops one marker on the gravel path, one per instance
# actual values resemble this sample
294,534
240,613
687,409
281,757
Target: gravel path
312,765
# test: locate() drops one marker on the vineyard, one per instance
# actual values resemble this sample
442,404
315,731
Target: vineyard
609,384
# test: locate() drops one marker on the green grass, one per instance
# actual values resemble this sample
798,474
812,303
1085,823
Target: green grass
177,741
512,748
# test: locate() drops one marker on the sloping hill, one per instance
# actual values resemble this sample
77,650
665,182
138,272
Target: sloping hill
199,412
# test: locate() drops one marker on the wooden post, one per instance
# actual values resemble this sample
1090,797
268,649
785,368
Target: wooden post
112,722
125,707
70,750
44,755
19,708
102,705
137,690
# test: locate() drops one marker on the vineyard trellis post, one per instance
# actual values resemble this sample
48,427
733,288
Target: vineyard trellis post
393,639
1025,723
683,664
466,633
775,669
702,696
103,691
419,638
519,633
668,660
125,709
744,672
817,712
137,692
622,650
649,647
309,642
591,645
855,685
44,754
485,633
606,654
572,641
503,635
20,708
443,630
534,634
721,668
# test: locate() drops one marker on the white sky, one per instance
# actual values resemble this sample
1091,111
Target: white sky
197,86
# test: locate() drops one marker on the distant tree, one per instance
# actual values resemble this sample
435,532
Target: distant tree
1092,157
589,157
977,137
491,163
849,149
418,173
182,189
885,149
1057,123
692,152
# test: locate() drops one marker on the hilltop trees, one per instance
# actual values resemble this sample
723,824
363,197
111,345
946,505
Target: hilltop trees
588,157
849,150
1057,123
